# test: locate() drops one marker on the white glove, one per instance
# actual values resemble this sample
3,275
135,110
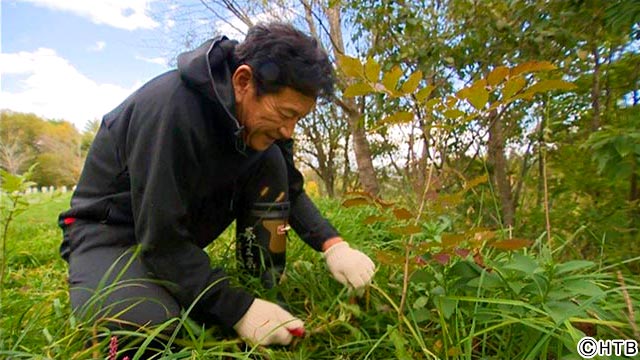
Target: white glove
266,323
350,267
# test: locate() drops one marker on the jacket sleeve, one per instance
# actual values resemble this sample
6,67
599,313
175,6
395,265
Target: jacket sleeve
163,159
305,218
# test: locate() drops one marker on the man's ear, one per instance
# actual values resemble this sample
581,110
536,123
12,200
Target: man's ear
242,81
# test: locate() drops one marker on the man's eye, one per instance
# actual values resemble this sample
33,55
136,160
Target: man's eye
289,117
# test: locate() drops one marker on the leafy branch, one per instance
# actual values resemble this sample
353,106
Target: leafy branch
12,204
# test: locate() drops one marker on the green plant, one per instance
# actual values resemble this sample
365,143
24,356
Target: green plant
12,204
458,309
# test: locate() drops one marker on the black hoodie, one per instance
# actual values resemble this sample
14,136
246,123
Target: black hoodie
159,163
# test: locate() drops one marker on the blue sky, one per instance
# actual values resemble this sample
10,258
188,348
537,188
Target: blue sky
77,59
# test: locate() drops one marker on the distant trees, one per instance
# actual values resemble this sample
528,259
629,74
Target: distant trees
582,148
56,146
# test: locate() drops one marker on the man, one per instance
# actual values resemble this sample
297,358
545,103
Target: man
180,159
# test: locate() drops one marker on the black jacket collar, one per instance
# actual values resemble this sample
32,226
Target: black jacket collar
208,69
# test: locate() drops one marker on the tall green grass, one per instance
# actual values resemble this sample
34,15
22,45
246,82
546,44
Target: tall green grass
529,305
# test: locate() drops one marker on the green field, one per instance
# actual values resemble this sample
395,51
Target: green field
528,306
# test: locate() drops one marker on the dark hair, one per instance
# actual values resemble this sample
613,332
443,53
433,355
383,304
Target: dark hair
282,56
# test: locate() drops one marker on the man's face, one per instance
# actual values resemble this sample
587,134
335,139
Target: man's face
270,117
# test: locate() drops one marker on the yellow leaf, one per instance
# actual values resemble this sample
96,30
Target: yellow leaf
478,97
358,89
463,93
406,230
373,219
402,214
525,96
355,202
412,82
388,258
550,84
453,113
431,103
451,240
350,66
479,83
390,79
424,93
426,247
532,66
512,244
497,75
372,69
512,86
400,117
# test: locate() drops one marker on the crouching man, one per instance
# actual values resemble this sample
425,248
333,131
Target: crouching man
179,160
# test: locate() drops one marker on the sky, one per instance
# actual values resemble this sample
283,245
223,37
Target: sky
76,60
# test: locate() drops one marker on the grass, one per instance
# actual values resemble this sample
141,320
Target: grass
528,306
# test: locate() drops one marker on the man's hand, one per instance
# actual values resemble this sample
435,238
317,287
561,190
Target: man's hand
266,323
350,267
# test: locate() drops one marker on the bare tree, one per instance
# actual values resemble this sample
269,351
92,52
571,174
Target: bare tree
323,137
13,156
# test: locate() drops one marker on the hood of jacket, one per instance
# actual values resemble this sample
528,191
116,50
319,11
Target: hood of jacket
208,69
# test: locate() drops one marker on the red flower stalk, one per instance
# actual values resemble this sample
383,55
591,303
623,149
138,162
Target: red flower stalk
113,348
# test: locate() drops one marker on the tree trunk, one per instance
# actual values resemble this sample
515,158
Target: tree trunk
326,172
347,168
366,172
498,164
329,184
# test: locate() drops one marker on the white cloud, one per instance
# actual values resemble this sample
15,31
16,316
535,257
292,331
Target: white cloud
52,88
128,15
98,46
155,60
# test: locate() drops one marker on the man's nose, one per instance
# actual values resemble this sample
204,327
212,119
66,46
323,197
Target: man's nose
286,131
